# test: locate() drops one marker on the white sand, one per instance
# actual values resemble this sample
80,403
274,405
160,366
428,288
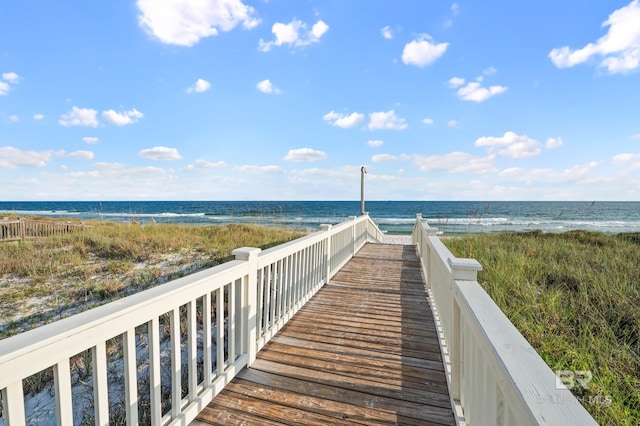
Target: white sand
397,239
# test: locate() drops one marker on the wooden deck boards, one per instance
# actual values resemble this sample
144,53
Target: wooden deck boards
363,350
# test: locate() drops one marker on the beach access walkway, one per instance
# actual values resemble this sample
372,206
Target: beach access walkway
363,350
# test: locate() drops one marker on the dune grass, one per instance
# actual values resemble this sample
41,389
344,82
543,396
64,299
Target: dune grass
575,297
51,277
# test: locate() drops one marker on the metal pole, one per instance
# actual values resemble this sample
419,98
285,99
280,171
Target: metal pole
363,170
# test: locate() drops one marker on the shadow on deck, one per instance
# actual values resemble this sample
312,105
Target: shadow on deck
363,350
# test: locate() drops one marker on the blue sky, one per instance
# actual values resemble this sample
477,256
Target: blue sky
288,99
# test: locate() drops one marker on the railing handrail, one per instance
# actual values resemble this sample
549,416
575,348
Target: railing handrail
494,375
262,290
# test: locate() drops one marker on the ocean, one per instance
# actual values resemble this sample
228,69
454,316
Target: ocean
393,217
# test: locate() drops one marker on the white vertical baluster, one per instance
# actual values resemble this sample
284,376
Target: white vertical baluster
154,371
130,376
13,404
192,342
100,384
176,363
62,383
206,309
232,322
220,330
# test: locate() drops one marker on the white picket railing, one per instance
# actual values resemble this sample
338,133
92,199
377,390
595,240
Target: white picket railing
495,376
209,324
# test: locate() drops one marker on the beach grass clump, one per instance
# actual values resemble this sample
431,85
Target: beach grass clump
575,297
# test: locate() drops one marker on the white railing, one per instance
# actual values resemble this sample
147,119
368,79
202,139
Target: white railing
495,376
171,348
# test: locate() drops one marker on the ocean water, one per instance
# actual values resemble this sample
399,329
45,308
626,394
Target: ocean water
393,217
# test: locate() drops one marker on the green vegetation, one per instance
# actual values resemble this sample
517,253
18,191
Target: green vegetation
51,277
575,297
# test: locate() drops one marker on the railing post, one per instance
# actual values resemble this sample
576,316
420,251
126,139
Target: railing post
250,308
461,270
327,257
353,235
22,231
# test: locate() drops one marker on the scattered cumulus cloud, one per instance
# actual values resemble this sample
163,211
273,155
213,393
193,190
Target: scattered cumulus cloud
307,155
265,86
160,153
427,121
422,51
489,71
456,82
386,120
203,164
90,140
452,123
10,77
455,9
554,143
385,158
474,92
455,162
636,136
387,33
344,121
12,158
259,170
186,22
618,51
14,118
294,34
4,88
122,118
200,86
511,145
80,155
80,117
375,143
38,117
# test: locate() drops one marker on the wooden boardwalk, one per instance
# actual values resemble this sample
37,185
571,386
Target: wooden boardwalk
363,350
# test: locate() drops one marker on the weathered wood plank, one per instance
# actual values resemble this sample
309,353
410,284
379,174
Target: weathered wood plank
364,350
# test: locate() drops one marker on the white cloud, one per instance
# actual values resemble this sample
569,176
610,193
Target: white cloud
186,22
81,155
259,170
629,160
427,121
489,71
554,143
636,136
456,82
384,158
122,118
386,120
422,51
619,49
305,155
455,9
511,145
265,86
452,123
90,139
203,164
4,88
38,117
294,34
80,117
14,118
387,33
344,121
375,143
474,92
455,162
10,77
11,157
199,86
160,153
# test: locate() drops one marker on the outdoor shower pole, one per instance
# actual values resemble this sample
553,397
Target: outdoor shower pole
363,170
